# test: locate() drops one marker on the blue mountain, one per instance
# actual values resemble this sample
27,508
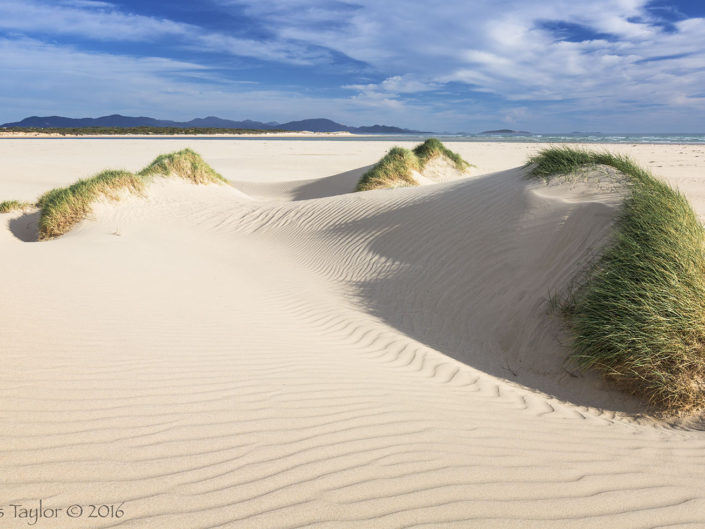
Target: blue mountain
116,120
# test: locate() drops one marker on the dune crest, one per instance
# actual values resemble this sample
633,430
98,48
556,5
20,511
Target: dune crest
62,208
428,162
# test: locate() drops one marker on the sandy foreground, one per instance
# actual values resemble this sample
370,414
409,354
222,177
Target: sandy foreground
285,353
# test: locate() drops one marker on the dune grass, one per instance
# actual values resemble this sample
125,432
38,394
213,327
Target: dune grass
396,167
639,316
562,160
63,208
8,206
433,148
185,164
393,170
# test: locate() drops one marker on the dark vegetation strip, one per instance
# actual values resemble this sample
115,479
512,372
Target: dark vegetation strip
118,131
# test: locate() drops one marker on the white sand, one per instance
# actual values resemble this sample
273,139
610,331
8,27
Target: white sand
221,357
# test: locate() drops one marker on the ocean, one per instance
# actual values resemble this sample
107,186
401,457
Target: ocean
575,137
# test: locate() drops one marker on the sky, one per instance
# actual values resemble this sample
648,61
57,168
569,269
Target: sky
456,65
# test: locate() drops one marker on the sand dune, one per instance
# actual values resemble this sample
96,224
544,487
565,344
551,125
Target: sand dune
285,353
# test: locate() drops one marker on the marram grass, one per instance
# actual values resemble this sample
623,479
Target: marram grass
8,206
185,164
396,167
433,148
393,170
639,317
63,208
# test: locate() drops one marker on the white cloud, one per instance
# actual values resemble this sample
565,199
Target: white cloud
393,87
407,84
500,47
515,115
96,20
411,51
102,21
275,51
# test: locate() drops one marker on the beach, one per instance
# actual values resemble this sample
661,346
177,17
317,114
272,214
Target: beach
284,352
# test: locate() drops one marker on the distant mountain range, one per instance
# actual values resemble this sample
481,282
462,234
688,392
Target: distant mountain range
118,121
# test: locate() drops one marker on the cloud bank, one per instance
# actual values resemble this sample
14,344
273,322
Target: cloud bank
539,64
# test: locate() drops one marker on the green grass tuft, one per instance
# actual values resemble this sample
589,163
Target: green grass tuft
393,170
433,148
639,316
396,167
63,208
8,206
185,164
562,160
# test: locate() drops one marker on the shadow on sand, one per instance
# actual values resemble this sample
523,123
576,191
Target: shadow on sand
26,227
468,269
295,190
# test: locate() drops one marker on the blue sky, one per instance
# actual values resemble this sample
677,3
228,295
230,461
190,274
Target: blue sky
469,65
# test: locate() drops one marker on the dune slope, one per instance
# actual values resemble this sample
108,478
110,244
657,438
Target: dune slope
378,359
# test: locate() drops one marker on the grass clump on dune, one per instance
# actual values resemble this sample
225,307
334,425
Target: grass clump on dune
8,206
185,164
396,168
393,170
639,316
561,160
63,208
433,148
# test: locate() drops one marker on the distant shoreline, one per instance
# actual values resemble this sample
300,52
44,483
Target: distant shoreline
592,141
87,134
